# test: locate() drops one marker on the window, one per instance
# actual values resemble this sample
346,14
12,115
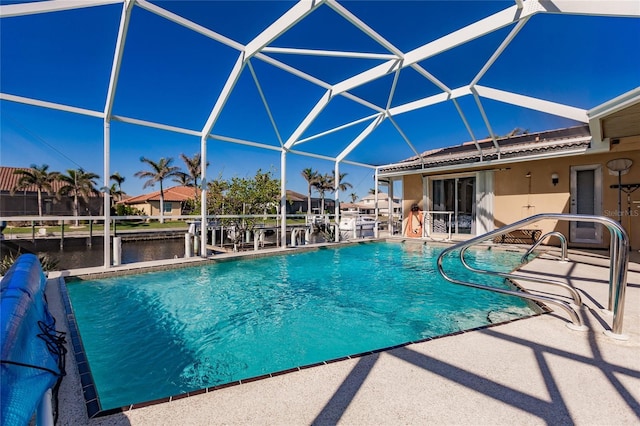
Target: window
167,207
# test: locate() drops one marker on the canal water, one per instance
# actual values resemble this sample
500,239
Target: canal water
76,253
82,252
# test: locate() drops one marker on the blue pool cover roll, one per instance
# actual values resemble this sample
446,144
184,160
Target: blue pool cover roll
28,366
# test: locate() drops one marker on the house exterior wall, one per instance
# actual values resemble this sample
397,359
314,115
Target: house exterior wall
517,197
152,208
513,200
412,194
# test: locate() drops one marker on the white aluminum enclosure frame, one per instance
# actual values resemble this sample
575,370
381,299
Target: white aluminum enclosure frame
395,61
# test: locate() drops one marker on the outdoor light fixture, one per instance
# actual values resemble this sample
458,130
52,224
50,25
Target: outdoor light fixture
554,179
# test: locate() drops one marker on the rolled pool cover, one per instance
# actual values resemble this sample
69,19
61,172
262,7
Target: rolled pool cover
28,367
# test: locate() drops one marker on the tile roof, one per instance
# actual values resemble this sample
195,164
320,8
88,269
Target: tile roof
9,180
295,196
520,146
174,193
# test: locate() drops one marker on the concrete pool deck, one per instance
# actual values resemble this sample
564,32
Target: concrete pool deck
528,372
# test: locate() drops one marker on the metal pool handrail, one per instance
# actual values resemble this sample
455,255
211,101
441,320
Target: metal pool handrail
563,245
618,268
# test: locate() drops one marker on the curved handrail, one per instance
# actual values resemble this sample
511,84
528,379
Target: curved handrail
572,291
563,245
618,269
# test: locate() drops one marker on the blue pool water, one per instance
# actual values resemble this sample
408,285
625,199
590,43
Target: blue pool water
158,334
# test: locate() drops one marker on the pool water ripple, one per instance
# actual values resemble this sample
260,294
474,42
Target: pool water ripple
158,334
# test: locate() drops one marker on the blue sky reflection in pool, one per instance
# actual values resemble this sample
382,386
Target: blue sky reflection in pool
160,334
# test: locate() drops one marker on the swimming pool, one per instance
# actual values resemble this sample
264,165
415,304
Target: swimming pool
153,335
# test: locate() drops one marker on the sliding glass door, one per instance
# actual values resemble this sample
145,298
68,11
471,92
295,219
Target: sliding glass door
457,196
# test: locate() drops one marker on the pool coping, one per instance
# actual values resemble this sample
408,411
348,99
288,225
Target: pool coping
89,389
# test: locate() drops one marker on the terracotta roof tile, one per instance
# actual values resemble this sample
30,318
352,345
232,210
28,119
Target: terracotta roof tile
174,193
9,180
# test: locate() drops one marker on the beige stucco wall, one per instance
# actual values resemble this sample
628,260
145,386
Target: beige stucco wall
152,208
514,200
412,194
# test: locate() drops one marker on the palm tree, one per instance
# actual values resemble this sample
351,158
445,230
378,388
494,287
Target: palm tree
311,177
115,193
158,173
340,186
119,180
38,176
183,179
323,184
79,184
194,170
354,197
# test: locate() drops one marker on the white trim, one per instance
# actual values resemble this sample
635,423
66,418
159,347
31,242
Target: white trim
549,107
244,142
125,17
335,129
281,25
354,20
50,105
234,75
155,125
264,102
21,9
331,53
177,19
362,136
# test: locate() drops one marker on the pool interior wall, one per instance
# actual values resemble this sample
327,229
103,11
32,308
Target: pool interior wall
93,404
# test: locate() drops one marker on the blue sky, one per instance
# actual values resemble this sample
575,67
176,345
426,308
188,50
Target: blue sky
173,76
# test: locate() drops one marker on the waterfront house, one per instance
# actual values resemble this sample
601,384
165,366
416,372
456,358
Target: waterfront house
367,205
25,202
297,203
177,201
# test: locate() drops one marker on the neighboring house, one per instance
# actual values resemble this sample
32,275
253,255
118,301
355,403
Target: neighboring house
297,203
175,201
559,171
368,206
25,202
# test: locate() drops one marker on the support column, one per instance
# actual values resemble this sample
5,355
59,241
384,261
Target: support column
336,188
283,198
127,7
107,196
203,196
390,209
375,199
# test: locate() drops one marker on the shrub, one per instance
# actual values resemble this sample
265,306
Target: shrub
49,263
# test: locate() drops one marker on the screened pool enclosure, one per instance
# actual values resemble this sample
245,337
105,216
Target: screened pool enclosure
396,68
